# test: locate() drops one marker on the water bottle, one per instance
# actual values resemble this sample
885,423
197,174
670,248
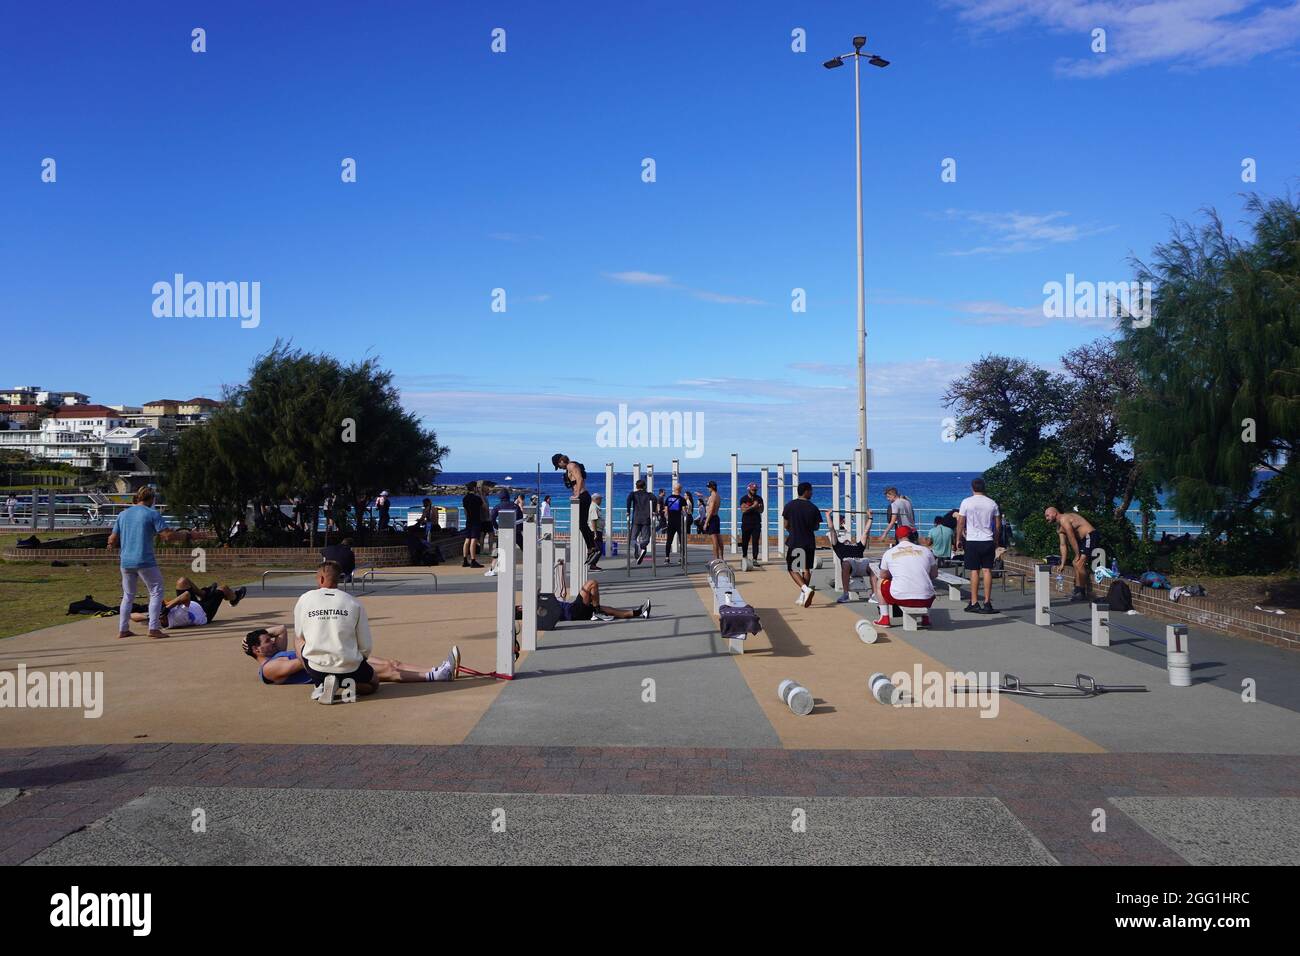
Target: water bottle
1114,567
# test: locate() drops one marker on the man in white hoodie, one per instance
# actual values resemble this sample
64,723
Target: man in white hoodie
335,637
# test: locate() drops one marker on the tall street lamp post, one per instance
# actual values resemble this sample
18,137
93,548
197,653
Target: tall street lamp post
862,463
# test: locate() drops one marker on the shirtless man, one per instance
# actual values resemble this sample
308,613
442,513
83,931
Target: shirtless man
276,664
712,520
575,479
1075,531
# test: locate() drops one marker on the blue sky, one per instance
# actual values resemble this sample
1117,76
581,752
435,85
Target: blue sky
522,170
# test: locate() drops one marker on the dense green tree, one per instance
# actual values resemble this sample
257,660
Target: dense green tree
307,425
1216,403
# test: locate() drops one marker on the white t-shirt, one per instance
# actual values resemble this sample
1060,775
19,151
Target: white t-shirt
909,567
335,627
979,512
546,510
186,615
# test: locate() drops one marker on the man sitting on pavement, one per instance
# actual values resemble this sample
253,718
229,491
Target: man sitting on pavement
277,664
335,637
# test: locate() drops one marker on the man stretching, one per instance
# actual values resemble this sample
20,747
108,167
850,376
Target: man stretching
276,664
575,479
1077,532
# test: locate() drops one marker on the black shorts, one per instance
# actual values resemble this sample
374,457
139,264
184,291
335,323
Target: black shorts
365,674
844,550
210,600
577,610
713,525
1090,544
801,553
979,555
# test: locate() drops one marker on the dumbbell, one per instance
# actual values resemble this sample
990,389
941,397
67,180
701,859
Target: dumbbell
867,633
884,691
795,696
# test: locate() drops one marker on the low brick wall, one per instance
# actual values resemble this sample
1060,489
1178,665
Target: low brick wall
1235,619
216,557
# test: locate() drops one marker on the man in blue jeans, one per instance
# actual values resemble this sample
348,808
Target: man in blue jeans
133,532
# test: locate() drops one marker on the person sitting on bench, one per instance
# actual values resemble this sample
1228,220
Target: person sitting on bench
342,555
851,554
907,574
276,664
587,606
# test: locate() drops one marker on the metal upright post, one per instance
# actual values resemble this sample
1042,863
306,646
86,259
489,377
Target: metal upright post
835,493
780,506
608,517
767,516
735,502
577,550
506,601
531,587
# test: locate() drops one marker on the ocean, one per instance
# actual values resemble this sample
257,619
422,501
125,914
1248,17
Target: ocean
931,492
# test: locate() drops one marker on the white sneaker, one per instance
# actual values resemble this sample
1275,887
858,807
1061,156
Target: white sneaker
315,693
601,617
447,669
645,609
328,688
490,573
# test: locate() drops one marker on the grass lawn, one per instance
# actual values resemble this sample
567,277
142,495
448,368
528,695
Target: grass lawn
35,595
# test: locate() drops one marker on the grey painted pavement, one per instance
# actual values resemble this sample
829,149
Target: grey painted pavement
584,684
8,794
398,827
1222,831
1208,717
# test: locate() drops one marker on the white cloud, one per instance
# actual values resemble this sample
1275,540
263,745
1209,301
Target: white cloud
1184,34
665,282
1012,232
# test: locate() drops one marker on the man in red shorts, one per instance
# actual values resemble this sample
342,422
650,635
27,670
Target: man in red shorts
907,574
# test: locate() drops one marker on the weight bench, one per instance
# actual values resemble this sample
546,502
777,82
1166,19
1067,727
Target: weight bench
736,619
954,583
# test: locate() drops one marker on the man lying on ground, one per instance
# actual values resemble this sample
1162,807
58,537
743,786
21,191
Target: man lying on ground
587,606
180,611
210,597
276,664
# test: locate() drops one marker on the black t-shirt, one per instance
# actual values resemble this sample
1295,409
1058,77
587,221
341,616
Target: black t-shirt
641,504
804,518
750,518
473,506
341,555
675,505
